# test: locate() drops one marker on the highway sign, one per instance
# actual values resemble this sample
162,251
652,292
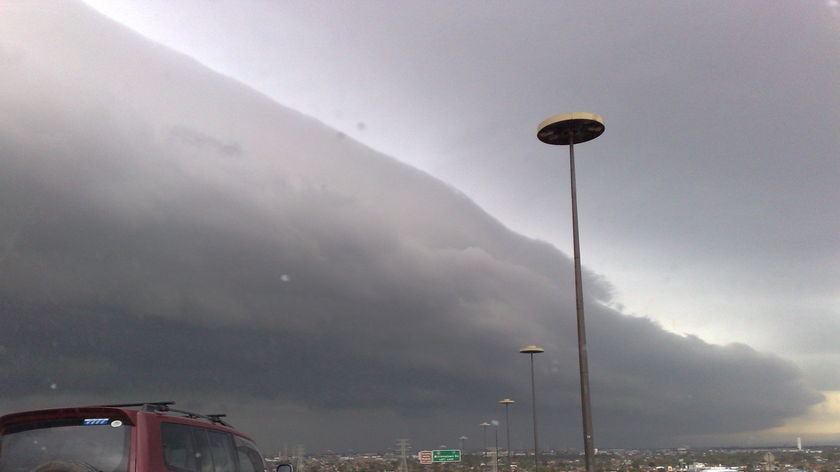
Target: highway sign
425,457
446,455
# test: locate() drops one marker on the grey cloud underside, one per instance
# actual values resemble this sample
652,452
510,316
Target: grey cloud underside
161,242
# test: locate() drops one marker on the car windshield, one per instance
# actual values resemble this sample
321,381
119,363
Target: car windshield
83,444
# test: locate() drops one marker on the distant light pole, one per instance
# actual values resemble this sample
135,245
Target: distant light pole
496,450
531,350
507,402
484,431
569,129
461,442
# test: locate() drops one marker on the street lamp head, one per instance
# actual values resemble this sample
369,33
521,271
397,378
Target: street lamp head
485,424
506,401
570,128
531,350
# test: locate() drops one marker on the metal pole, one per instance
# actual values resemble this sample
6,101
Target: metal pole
507,433
484,426
496,453
589,449
484,450
534,413
571,128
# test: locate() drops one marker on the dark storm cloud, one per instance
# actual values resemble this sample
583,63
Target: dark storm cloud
176,235
680,376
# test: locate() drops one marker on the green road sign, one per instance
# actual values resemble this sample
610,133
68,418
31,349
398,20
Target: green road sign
446,455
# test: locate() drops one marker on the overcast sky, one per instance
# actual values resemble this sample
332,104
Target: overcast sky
337,216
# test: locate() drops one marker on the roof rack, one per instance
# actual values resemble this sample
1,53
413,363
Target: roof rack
148,406
164,407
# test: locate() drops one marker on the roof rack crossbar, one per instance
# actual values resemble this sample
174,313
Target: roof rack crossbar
166,407
216,418
147,406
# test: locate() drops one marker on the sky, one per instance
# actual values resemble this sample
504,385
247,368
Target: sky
337,215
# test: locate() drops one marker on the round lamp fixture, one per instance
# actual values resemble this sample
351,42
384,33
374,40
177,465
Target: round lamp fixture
570,128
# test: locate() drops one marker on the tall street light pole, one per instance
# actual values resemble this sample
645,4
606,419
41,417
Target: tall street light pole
496,449
507,402
570,129
531,350
484,433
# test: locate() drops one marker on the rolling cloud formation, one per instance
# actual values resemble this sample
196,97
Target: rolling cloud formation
170,234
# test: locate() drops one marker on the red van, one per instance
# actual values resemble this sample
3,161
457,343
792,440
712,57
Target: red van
145,437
